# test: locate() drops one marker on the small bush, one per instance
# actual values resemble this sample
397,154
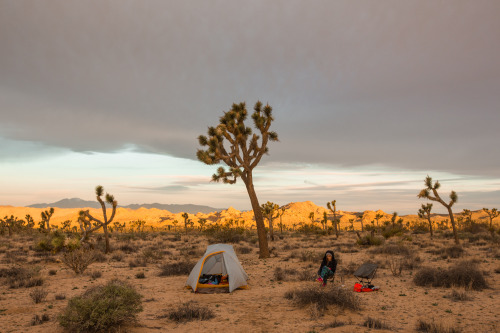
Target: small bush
137,263
127,248
459,296
369,240
454,251
375,323
244,250
38,295
152,255
396,249
464,274
60,297
37,320
52,272
18,277
176,268
190,311
102,308
281,274
117,256
427,327
96,274
140,275
324,297
78,260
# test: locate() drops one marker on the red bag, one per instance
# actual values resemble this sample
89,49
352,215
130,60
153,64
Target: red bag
358,287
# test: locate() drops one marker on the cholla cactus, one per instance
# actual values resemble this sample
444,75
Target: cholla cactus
89,224
242,153
46,215
491,214
425,212
426,194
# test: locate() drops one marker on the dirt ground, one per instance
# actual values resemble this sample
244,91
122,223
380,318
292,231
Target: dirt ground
262,308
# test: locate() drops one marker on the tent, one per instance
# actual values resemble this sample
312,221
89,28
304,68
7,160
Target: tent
218,259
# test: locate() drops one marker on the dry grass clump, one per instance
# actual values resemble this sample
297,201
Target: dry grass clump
38,295
18,277
102,308
141,262
128,248
459,296
189,311
322,298
396,249
281,274
464,274
454,251
369,240
38,320
244,250
152,255
78,260
176,268
375,323
432,327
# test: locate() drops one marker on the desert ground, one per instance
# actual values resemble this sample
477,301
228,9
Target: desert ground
140,258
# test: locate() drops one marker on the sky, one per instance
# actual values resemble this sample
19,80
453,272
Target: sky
369,97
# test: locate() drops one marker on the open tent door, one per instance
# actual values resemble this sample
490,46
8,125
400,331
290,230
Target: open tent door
219,259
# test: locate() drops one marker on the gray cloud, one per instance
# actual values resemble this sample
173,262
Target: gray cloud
406,84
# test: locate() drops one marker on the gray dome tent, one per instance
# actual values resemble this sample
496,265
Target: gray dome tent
218,259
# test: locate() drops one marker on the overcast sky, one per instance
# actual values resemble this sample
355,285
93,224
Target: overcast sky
368,96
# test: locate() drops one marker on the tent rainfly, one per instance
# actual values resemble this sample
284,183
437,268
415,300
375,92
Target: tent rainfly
218,259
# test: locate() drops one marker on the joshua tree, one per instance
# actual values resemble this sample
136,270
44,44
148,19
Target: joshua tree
202,223
467,214
378,217
268,211
393,218
491,214
280,215
425,193
89,224
332,206
30,223
311,217
425,212
361,221
46,215
175,222
66,225
185,216
242,155
324,221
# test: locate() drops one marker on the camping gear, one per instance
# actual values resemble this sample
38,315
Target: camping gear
365,274
218,268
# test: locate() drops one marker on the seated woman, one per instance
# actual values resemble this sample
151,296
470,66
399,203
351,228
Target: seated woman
327,268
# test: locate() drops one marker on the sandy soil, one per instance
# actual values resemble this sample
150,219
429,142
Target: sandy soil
262,308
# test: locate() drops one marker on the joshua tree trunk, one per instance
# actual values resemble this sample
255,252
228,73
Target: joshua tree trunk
106,237
259,219
452,219
430,225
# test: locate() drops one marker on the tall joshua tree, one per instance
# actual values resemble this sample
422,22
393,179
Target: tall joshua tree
491,214
241,154
426,194
85,219
185,216
332,206
425,212
281,212
268,210
46,215
378,217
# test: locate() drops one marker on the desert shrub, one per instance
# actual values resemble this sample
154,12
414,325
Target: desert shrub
397,249
464,274
52,272
459,296
127,248
51,242
38,320
190,310
102,308
454,251
152,255
78,260
333,324
60,297
432,327
244,250
281,274
419,227
96,274
375,323
140,275
497,270
176,268
117,256
100,256
234,235
324,297
18,277
391,231
369,240
308,256
137,263
38,295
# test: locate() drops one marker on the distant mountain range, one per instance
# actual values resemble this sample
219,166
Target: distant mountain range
173,208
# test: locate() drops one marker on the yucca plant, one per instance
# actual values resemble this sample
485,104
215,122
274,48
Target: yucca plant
242,153
426,194
89,224
332,206
425,212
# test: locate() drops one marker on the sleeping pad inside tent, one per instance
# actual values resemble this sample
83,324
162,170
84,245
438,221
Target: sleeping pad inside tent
218,268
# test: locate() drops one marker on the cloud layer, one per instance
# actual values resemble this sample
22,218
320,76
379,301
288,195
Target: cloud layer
409,84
